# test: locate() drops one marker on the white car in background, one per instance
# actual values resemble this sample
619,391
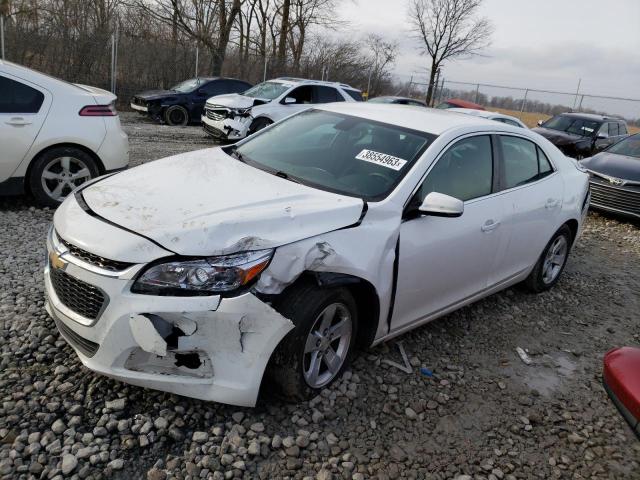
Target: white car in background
344,225
234,116
497,116
54,135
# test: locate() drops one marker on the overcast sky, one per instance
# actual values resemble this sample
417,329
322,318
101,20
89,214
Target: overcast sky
544,44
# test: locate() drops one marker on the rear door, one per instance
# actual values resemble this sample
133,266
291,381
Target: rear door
532,195
23,109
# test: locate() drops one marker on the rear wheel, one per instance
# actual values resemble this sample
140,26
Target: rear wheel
258,124
58,171
551,263
319,348
176,116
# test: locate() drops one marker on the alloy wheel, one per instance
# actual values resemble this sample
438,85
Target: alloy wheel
554,260
327,345
63,174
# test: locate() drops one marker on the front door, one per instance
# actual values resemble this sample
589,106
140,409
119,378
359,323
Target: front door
443,261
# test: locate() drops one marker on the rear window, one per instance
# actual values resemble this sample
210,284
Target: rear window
16,97
355,94
338,153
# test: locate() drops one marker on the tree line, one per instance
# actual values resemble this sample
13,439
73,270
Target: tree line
157,41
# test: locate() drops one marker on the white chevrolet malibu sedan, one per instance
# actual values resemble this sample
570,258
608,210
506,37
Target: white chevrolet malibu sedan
341,226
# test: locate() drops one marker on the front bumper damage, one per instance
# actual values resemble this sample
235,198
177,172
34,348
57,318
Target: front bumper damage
230,128
210,348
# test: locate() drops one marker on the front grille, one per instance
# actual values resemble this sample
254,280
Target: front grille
79,296
87,347
216,113
624,199
139,101
95,260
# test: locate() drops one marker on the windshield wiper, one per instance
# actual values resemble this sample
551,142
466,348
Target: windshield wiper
286,176
233,151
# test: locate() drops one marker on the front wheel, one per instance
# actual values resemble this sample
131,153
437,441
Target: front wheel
551,263
58,171
319,348
176,116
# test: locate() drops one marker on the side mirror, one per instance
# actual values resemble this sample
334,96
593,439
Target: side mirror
602,136
540,122
201,93
290,101
441,205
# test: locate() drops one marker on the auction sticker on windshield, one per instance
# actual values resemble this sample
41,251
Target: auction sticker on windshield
382,159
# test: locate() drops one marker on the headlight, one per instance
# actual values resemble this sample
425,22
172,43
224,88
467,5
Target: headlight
242,111
204,276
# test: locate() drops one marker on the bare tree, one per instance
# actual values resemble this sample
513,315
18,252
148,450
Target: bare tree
382,58
207,21
448,29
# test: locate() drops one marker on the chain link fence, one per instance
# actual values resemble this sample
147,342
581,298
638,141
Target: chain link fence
531,104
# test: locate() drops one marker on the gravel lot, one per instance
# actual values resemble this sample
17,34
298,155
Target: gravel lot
483,413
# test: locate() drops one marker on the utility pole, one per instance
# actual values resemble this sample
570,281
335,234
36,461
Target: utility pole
4,12
264,75
575,100
2,34
196,61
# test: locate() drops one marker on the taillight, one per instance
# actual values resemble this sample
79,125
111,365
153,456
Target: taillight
99,111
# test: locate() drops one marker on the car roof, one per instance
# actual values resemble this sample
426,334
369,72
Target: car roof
299,81
463,103
41,79
396,97
428,120
482,113
592,116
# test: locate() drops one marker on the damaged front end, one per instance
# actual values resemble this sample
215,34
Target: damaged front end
226,123
208,347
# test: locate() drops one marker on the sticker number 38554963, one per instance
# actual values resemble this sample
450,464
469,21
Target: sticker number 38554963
381,159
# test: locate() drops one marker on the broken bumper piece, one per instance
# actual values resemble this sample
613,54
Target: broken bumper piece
226,129
201,347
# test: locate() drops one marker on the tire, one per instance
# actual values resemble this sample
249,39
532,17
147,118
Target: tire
290,370
258,124
548,269
176,116
56,172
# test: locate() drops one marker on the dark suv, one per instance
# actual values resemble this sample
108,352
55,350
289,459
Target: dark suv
184,102
581,135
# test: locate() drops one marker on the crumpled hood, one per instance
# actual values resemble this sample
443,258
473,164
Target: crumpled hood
234,100
613,165
157,94
559,138
208,203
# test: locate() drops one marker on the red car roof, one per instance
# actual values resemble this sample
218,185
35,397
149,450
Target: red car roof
622,379
458,102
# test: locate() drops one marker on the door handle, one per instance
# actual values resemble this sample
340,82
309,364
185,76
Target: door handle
551,203
18,122
490,225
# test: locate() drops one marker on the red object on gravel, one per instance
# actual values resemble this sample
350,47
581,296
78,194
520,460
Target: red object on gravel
621,376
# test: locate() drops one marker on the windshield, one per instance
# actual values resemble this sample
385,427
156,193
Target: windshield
335,152
187,86
267,90
630,147
577,126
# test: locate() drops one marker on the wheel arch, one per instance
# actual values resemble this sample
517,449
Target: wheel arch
364,293
88,151
573,226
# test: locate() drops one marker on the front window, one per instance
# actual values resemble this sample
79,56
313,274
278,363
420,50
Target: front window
577,126
267,90
187,86
630,147
335,152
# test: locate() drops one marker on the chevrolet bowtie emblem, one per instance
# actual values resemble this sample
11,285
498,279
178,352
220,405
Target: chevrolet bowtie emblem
56,262
616,181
